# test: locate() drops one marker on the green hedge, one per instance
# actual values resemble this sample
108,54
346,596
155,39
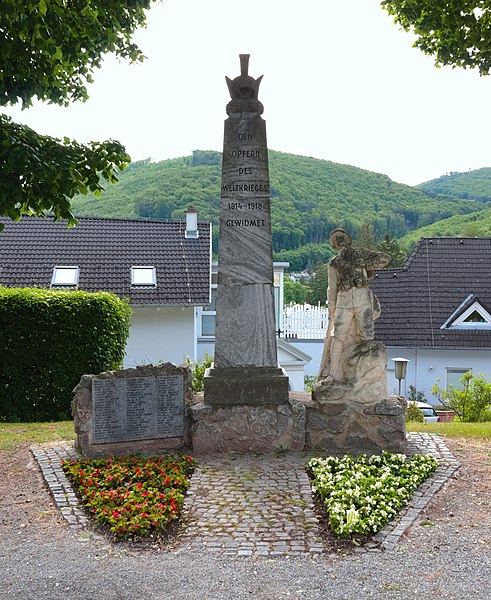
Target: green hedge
48,339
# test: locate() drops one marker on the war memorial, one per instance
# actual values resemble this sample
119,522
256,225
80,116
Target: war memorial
246,406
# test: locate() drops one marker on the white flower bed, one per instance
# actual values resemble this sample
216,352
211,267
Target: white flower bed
362,494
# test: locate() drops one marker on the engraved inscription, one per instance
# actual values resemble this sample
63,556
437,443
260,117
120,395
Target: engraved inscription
246,153
137,408
245,187
109,415
245,205
245,222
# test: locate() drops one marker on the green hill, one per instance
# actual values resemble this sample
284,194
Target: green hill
309,197
474,185
477,224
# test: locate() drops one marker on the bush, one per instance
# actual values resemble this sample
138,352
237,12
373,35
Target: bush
48,340
414,396
198,371
309,381
472,403
413,413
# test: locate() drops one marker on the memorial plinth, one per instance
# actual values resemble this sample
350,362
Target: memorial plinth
245,370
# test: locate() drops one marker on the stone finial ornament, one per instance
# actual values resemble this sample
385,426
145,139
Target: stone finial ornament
244,90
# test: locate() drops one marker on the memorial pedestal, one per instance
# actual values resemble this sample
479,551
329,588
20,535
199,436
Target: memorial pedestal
252,386
248,428
356,415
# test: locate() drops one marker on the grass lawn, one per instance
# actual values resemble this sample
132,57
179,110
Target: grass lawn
454,430
13,434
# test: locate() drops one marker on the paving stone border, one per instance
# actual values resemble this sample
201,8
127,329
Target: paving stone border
252,505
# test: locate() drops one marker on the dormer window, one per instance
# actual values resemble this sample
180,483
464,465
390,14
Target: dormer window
475,316
143,276
65,276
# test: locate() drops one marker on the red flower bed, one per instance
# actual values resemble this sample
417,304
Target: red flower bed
132,495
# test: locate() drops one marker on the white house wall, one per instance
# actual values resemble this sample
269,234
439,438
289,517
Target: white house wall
166,334
427,365
313,348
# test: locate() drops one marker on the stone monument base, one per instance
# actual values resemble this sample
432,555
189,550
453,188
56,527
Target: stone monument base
340,427
245,386
247,428
356,415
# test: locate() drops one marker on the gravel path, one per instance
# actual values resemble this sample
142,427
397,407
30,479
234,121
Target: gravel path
445,553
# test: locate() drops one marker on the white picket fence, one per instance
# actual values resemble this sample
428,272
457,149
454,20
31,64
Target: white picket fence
304,321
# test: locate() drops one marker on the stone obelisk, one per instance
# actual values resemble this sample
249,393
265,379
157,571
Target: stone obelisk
246,368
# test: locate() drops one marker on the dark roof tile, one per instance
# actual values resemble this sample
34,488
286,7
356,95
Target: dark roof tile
105,250
418,298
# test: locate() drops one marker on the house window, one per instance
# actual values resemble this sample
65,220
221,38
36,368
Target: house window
64,277
475,317
454,376
209,315
143,276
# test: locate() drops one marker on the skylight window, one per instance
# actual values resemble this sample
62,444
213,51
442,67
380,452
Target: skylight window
64,276
143,276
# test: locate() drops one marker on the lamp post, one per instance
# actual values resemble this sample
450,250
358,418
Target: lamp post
401,369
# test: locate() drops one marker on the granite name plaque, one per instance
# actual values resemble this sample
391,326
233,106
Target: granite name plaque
137,408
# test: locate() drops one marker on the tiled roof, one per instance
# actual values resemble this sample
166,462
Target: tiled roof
437,279
105,250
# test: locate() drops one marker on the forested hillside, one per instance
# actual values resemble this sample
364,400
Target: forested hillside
309,197
474,185
477,224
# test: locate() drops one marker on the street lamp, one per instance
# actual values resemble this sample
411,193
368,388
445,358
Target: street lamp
401,369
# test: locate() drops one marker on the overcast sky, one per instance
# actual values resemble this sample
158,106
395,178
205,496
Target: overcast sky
341,83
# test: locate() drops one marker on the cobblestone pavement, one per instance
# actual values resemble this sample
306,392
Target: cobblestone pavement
253,505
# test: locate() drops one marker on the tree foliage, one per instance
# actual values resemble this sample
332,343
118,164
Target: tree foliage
456,32
294,292
474,185
39,174
471,225
318,285
366,238
49,51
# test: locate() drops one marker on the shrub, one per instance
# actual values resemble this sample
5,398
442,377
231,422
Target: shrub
472,403
413,413
198,371
309,381
414,396
48,340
